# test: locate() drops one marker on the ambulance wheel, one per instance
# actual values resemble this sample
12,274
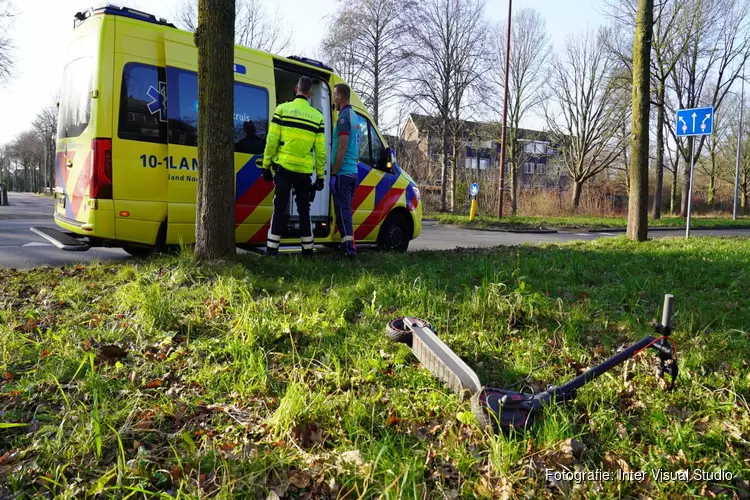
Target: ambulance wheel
136,251
395,233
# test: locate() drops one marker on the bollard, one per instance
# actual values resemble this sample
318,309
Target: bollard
3,196
473,212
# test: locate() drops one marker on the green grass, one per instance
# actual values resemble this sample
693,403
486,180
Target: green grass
170,379
583,222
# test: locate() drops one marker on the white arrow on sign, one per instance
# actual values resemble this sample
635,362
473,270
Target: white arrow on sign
703,125
695,115
684,125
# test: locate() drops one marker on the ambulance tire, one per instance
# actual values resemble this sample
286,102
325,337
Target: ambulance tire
137,251
159,247
395,233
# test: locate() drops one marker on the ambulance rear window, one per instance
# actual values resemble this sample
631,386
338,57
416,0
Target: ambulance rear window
75,98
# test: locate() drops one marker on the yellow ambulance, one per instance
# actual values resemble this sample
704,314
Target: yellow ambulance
127,168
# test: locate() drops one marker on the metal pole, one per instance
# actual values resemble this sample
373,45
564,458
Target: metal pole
690,192
505,113
739,145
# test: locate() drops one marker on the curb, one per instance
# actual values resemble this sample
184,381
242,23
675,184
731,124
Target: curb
492,230
722,228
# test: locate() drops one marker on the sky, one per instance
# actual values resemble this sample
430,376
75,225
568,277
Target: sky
42,28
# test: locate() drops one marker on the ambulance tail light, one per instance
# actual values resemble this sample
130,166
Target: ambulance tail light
101,170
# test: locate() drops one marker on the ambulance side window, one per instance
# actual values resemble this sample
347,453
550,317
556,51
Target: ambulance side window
250,118
183,106
142,106
250,112
370,145
364,141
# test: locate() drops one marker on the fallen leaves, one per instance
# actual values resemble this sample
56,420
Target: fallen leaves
353,457
8,457
111,352
299,479
8,376
153,384
308,434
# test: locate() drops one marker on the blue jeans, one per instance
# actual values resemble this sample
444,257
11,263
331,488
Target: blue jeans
343,192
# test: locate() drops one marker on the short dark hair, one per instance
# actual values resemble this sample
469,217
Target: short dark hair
305,85
343,90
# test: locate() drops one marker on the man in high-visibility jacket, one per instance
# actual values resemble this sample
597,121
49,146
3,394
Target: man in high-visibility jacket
295,147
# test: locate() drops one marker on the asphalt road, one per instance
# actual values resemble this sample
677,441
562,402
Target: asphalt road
20,248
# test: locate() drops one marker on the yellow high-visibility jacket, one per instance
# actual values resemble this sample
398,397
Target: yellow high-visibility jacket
296,131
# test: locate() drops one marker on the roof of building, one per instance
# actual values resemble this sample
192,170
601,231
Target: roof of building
424,122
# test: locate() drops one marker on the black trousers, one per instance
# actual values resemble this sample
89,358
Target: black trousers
285,181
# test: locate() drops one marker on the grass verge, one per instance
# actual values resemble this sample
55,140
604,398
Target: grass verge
170,379
583,222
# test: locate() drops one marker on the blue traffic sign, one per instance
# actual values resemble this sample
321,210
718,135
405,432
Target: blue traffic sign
695,121
474,189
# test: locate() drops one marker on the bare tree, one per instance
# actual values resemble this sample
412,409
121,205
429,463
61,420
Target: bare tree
366,37
45,125
447,50
529,56
6,46
669,42
26,154
638,199
585,108
214,229
254,26
719,164
718,46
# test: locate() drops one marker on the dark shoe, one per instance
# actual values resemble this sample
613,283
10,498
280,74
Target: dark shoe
272,252
308,254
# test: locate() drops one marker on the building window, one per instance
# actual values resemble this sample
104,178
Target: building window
470,163
528,167
541,168
484,163
535,147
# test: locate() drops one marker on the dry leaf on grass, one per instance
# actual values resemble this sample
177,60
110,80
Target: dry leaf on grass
353,457
299,479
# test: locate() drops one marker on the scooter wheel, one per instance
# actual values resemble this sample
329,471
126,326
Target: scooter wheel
396,330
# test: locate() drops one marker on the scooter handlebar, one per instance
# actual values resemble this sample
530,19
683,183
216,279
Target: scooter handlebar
666,318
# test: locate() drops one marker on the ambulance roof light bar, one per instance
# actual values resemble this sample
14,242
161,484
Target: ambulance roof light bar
113,9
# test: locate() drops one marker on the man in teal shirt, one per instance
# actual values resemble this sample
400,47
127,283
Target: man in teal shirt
346,136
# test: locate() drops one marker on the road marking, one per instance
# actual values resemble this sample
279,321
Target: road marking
37,244
584,234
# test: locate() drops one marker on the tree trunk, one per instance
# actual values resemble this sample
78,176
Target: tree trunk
444,172
453,175
661,91
711,191
214,229
513,187
638,203
512,152
577,188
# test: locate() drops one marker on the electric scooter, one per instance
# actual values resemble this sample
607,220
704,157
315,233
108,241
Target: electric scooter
510,410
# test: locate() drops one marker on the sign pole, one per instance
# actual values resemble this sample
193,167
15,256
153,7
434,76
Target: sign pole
690,193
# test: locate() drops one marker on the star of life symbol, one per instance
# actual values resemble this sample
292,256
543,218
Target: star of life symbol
158,103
